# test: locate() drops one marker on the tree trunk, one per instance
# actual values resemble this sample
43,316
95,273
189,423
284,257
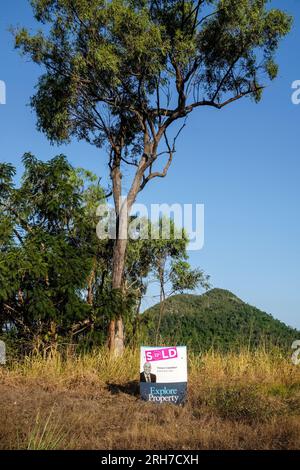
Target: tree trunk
122,210
116,326
162,298
91,279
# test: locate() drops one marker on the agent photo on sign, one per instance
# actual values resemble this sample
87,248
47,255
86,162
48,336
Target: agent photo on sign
146,376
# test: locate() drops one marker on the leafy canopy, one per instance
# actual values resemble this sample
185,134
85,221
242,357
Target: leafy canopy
55,274
46,247
122,67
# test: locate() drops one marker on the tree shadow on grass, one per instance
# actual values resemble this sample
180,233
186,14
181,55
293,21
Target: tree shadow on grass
130,388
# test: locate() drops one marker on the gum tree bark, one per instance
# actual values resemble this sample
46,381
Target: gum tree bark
123,205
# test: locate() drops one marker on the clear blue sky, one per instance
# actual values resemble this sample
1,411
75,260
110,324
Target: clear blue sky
242,163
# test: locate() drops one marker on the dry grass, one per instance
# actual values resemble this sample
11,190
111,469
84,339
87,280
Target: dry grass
236,401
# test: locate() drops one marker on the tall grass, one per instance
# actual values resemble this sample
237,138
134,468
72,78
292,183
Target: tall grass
45,434
97,364
209,367
235,400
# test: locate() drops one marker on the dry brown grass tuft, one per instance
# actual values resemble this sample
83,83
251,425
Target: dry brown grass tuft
236,401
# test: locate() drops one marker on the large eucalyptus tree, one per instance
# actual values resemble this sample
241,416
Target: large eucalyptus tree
125,74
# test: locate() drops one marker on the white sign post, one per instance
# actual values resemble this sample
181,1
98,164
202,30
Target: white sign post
2,353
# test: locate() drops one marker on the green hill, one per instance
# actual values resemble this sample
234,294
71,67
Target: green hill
216,319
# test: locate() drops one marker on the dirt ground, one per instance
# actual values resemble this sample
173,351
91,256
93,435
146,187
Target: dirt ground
84,413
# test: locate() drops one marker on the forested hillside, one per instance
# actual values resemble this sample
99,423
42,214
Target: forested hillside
217,318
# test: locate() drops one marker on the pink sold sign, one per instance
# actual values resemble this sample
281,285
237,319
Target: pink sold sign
160,354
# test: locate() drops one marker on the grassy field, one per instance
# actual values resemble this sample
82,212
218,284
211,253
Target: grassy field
235,401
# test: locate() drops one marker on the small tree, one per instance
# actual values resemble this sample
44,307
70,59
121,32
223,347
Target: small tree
47,250
170,267
127,73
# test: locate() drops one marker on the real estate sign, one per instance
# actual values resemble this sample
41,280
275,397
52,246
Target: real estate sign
163,374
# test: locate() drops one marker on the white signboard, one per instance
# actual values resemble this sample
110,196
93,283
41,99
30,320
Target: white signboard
163,374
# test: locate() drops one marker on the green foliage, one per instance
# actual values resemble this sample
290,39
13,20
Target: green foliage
55,274
183,277
47,247
217,319
243,31
120,73
114,56
115,301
